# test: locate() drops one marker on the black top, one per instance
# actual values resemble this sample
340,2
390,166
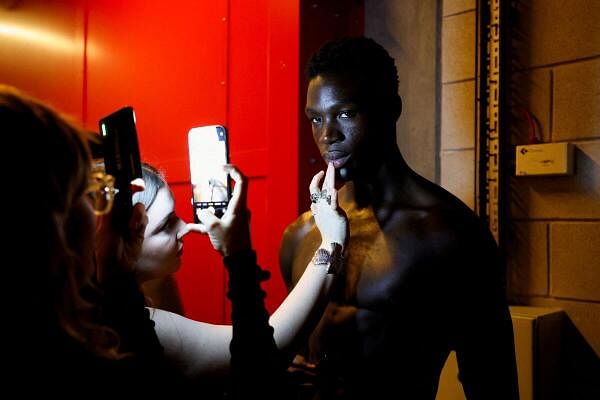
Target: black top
44,360
257,366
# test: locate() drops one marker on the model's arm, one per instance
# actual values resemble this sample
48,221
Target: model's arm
293,235
200,348
486,354
485,344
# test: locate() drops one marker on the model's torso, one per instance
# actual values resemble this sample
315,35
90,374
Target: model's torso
393,281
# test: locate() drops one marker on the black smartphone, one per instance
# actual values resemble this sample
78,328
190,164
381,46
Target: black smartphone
121,159
209,151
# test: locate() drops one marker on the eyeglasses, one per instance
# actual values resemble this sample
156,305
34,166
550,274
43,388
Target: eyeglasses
101,191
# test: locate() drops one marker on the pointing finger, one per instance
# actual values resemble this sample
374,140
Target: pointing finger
314,183
238,197
191,228
329,182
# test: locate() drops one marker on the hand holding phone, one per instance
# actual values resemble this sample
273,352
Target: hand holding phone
121,160
209,152
230,233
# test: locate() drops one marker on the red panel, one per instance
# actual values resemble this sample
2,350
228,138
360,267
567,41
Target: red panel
248,54
201,279
179,66
239,69
321,20
282,191
170,63
41,51
263,120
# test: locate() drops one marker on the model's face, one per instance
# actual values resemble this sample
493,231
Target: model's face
162,246
339,122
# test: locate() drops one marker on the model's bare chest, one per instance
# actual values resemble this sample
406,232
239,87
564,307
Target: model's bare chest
372,266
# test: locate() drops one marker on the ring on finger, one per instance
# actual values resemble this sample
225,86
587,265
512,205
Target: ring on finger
314,197
324,195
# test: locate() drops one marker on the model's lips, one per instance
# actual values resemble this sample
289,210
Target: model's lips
338,158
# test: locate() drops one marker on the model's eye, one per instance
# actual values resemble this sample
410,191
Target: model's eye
347,114
315,120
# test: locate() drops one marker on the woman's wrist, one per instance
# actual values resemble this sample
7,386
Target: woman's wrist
329,255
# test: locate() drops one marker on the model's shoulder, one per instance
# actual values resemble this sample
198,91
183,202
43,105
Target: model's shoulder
299,227
440,225
292,237
429,208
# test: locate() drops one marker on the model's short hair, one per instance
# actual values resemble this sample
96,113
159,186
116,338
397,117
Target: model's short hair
361,59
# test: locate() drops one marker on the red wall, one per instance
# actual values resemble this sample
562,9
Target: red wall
320,21
179,65
41,51
183,64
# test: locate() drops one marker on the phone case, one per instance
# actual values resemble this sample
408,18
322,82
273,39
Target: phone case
121,158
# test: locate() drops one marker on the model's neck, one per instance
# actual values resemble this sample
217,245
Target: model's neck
381,183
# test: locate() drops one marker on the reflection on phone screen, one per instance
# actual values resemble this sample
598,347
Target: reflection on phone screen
208,154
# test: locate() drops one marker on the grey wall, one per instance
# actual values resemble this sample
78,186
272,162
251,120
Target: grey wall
408,30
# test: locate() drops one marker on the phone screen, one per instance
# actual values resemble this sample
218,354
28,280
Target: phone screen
121,158
208,150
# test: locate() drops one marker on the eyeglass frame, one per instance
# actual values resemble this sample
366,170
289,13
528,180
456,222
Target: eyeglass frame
104,183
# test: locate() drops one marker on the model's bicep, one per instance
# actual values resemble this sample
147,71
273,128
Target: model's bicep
294,235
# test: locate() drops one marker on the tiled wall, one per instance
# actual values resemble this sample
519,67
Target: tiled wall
457,137
554,227
555,254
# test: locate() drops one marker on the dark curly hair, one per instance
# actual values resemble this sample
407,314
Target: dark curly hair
46,186
363,60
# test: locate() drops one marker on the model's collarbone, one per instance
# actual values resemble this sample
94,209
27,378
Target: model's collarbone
379,259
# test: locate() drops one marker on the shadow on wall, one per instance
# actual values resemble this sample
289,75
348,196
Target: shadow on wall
579,366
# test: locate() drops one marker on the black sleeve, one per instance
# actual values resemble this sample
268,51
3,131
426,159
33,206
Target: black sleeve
485,343
257,366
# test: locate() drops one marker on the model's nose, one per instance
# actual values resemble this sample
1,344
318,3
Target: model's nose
331,134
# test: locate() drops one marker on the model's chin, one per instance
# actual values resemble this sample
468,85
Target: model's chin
339,163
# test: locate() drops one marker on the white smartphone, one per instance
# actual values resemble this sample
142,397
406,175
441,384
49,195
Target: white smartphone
209,151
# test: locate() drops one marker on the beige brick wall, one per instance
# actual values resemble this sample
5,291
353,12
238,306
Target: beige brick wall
528,262
457,127
560,85
572,197
458,47
458,104
457,6
557,31
554,255
553,249
576,104
407,29
458,174
575,260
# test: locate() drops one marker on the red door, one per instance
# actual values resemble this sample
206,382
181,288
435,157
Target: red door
206,62
183,64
